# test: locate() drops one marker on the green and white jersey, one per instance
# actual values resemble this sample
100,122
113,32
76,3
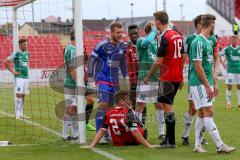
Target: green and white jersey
147,56
21,60
187,46
233,59
213,41
201,50
69,55
188,42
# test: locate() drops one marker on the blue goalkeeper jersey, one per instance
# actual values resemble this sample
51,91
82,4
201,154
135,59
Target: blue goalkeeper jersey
105,62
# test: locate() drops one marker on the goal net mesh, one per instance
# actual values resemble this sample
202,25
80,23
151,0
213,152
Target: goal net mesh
46,24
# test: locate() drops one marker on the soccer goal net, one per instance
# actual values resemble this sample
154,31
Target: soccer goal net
34,117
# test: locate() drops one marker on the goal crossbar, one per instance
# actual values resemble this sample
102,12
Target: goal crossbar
15,3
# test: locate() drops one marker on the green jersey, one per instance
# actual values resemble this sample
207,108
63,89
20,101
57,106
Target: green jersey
212,39
233,59
201,50
188,42
187,46
69,55
147,56
20,60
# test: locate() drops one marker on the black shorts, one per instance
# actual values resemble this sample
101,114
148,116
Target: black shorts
167,91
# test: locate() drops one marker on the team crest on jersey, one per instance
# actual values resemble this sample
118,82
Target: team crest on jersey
108,48
121,51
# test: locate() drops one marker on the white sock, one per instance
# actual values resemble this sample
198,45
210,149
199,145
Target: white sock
198,127
238,97
228,96
18,106
74,128
139,115
21,110
161,121
202,133
65,126
212,129
188,120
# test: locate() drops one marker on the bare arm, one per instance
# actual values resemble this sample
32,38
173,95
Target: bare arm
223,62
183,62
216,66
96,139
7,63
73,73
153,69
140,138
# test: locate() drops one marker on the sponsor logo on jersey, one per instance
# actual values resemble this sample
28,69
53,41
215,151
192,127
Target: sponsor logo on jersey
111,63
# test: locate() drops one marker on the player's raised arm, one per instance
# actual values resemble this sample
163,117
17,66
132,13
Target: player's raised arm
150,38
159,61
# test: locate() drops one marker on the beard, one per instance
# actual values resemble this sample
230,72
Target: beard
211,33
115,39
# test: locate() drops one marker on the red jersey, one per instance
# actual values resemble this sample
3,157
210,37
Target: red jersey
171,49
120,122
132,63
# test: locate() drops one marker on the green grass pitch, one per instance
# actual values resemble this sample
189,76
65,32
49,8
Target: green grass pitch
40,106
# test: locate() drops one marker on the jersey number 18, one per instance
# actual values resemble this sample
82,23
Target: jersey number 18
178,47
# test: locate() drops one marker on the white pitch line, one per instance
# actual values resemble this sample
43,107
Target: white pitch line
96,150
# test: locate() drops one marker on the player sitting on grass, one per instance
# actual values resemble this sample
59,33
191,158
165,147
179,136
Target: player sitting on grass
124,127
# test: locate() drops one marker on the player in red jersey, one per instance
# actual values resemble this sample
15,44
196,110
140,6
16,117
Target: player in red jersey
133,65
124,127
170,61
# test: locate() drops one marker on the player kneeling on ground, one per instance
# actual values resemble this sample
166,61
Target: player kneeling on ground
124,127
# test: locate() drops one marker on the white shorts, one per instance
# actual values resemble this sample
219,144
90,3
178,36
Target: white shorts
147,93
189,96
233,78
22,86
199,97
70,97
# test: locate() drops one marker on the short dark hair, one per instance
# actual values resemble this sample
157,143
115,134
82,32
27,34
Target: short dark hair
197,20
132,26
162,16
22,40
121,95
115,25
72,34
207,19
